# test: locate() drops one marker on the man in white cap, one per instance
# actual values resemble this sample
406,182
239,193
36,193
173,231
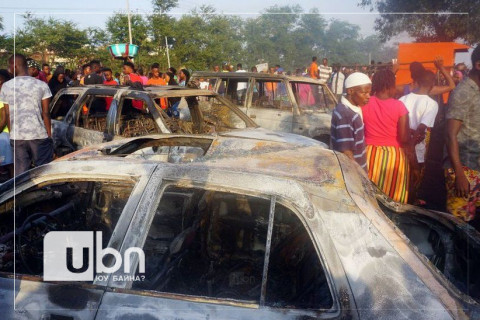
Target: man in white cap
347,121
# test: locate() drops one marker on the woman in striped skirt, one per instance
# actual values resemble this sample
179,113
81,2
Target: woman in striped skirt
387,138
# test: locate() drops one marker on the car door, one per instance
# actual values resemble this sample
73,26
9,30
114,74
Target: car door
59,208
315,104
220,255
270,105
134,114
88,121
60,107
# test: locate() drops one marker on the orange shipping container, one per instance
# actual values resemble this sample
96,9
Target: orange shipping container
425,53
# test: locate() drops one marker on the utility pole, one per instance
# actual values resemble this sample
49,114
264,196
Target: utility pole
168,54
129,23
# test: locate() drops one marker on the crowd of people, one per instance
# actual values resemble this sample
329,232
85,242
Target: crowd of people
386,129
26,135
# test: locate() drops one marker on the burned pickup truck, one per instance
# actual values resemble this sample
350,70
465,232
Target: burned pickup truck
89,115
282,103
232,229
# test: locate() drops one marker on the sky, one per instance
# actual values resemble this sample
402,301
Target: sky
94,13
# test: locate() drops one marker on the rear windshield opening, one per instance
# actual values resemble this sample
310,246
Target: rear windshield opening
173,150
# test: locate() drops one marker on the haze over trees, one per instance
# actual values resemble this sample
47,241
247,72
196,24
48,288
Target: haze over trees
436,20
284,35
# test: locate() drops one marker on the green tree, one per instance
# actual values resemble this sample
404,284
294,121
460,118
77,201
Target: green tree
164,6
204,38
117,28
161,26
270,36
436,21
6,45
60,37
341,43
309,36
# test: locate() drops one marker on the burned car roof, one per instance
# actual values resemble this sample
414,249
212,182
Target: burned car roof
257,75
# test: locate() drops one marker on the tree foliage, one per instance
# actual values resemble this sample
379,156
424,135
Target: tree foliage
435,21
204,38
284,35
42,36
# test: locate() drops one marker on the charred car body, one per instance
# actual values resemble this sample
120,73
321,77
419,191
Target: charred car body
89,115
233,228
291,104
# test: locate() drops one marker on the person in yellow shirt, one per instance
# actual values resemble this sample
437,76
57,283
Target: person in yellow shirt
6,153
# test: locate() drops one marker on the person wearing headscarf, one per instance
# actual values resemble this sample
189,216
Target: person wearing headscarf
183,77
347,134
58,81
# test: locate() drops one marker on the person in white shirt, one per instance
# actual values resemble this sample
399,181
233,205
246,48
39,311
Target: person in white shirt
422,113
241,86
338,79
324,70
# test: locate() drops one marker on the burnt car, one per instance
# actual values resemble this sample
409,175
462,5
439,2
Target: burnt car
89,115
229,229
283,103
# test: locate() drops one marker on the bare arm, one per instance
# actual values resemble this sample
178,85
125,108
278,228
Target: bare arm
3,117
404,129
349,153
419,134
462,185
46,116
436,90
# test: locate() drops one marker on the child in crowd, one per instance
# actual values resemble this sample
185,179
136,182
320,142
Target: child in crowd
422,113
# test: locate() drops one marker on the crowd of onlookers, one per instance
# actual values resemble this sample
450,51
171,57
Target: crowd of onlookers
387,129
25,137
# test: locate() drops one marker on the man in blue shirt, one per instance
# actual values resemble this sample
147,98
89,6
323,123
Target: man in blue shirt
347,132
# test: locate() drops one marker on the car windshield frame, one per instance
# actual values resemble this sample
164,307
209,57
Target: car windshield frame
249,123
307,109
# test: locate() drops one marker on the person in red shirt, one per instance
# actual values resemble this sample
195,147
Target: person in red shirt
131,78
107,72
387,135
34,70
109,81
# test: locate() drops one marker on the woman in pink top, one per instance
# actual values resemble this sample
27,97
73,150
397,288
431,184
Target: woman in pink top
386,135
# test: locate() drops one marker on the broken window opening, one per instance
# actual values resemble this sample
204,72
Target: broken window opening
271,94
62,106
93,112
135,119
58,206
214,244
235,90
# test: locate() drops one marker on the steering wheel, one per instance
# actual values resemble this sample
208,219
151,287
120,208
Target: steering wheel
30,241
